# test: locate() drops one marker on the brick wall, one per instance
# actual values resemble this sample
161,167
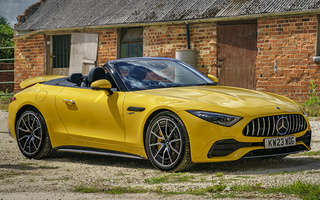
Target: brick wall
107,47
30,54
6,77
290,41
29,59
165,40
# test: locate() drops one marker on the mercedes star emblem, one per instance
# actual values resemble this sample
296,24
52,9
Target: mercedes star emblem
282,125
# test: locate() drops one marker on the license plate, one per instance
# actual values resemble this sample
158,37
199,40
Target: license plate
279,142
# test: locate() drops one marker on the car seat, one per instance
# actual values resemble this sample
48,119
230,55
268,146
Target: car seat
95,74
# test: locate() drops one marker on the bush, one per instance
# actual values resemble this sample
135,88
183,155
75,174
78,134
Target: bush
5,99
312,105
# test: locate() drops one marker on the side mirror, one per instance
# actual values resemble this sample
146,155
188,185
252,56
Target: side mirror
102,85
213,78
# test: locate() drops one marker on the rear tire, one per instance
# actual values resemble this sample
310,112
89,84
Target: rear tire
167,143
32,135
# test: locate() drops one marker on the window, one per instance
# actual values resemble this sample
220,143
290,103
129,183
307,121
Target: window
131,42
61,51
316,58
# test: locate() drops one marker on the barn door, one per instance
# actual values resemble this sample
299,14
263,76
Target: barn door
84,47
57,54
237,52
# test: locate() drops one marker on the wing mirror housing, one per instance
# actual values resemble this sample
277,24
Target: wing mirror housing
213,78
102,85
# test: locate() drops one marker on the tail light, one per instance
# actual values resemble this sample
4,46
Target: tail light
13,99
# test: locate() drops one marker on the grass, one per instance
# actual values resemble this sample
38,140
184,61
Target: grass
312,110
9,175
312,105
156,180
48,167
83,189
57,179
169,178
305,191
122,190
219,174
283,173
310,153
27,164
4,101
243,176
8,181
113,190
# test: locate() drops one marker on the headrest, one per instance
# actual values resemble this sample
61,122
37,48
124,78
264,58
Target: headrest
138,73
76,78
96,73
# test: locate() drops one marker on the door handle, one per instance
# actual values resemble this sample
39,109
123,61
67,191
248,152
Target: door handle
68,101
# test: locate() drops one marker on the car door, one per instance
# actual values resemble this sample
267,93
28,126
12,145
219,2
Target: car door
91,117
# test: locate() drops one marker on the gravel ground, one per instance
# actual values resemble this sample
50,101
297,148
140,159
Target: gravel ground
58,177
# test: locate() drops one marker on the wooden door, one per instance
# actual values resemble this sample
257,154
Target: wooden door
84,48
237,52
48,55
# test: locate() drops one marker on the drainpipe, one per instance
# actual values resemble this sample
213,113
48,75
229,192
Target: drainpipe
188,35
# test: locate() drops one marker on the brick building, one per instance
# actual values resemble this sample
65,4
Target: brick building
6,77
268,45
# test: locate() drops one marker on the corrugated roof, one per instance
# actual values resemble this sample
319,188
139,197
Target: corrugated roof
58,14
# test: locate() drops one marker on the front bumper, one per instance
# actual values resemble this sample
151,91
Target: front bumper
227,147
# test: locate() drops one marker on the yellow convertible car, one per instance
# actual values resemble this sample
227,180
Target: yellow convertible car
159,109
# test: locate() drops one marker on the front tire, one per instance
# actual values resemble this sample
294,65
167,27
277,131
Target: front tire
32,135
167,143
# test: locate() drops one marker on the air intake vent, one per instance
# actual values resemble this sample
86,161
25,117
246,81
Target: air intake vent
277,125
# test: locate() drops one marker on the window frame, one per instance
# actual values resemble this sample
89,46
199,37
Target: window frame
120,43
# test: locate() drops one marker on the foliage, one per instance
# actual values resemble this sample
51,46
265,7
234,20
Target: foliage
314,99
312,105
6,34
5,99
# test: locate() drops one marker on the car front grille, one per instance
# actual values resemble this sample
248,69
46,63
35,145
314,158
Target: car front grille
228,146
277,125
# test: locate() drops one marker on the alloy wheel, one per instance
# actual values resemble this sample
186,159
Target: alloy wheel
29,133
165,143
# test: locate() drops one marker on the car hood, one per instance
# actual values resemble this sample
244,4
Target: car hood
230,99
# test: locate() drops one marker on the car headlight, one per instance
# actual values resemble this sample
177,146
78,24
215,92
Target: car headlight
216,118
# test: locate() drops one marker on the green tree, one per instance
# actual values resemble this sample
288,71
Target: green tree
6,34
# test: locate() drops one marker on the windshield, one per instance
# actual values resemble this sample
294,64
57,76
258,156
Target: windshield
150,74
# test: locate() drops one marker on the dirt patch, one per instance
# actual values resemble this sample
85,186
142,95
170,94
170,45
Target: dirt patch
60,176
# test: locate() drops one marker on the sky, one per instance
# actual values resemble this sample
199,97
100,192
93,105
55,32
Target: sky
10,9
